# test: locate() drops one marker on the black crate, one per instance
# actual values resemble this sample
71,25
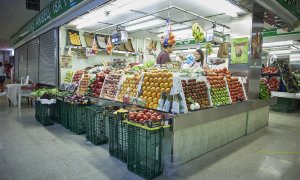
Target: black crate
95,125
144,151
285,105
43,113
118,136
76,118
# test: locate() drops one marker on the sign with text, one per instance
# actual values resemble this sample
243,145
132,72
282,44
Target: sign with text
50,12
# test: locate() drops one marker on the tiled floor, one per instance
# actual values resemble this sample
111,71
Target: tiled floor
31,151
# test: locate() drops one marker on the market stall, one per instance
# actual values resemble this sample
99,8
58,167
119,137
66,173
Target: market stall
112,89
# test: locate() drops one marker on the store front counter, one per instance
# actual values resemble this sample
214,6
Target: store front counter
199,132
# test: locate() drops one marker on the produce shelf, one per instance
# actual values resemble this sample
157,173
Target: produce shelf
285,105
144,151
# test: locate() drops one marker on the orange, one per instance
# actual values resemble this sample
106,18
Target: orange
146,79
145,93
158,95
148,88
154,95
170,85
151,80
168,90
152,89
155,79
157,89
149,99
146,74
161,85
155,100
152,84
165,79
159,80
149,94
151,105
156,84
155,106
166,85
162,90
170,79
170,75
147,84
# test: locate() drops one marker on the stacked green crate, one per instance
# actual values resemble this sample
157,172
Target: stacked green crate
95,125
44,115
56,111
76,118
285,105
65,109
118,136
144,151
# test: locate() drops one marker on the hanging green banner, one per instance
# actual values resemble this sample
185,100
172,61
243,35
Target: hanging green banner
239,50
292,6
50,12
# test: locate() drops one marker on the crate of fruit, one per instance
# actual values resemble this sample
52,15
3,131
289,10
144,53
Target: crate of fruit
73,38
110,86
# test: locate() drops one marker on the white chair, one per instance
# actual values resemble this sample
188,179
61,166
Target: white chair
25,91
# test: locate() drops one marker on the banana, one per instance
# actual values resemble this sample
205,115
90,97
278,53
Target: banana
197,32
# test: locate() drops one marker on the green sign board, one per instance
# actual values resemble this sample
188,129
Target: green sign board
292,6
50,12
239,50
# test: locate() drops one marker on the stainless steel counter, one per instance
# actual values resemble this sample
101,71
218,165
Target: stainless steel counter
195,118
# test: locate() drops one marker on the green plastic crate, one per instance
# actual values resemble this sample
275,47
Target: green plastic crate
43,113
76,118
144,151
56,111
95,125
285,105
118,136
64,110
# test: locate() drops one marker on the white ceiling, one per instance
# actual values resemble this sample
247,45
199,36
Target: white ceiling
13,15
196,6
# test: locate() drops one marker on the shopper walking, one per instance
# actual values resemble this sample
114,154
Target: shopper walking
2,77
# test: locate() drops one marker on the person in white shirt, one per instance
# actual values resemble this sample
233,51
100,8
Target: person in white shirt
2,77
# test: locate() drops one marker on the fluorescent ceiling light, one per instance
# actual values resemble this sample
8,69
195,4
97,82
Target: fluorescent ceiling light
279,43
280,52
221,6
144,25
144,19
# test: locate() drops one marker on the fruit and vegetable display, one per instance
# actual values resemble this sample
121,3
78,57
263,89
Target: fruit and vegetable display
270,70
95,88
154,83
198,32
274,83
129,87
288,78
110,86
77,76
196,94
219,91
69,76
74,38
77,99
46,93
147,117
84,84
236,89
264,89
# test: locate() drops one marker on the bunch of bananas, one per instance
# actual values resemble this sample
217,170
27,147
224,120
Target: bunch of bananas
198,32
69,76
208,48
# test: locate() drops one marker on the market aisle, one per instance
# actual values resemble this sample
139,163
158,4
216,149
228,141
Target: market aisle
31,151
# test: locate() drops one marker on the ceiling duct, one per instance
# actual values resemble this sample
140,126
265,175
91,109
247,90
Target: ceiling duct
280,11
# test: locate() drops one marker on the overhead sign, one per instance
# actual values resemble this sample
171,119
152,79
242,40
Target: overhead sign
50,12
33,5
292,6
